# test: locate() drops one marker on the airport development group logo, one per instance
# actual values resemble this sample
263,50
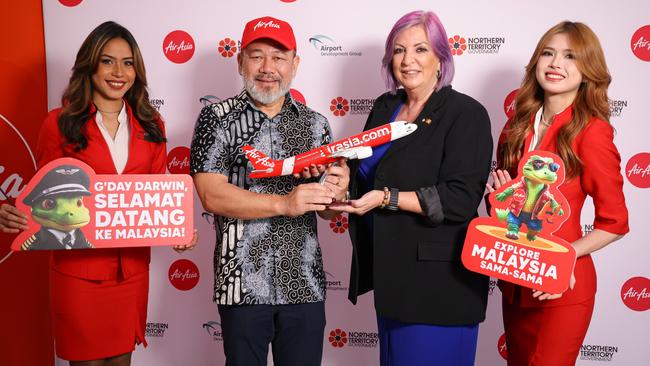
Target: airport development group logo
333,284
228,47
328,47
178,46
339,224
178,160
214,330
596,352
156,330
460,45
635,293
637,170
183,274
340,338
640,43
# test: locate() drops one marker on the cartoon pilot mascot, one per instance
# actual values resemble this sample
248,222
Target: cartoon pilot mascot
57,204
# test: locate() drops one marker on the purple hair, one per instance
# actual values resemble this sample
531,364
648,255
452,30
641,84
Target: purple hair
437,38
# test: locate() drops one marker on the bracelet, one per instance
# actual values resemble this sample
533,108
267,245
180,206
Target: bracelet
392,204
386,199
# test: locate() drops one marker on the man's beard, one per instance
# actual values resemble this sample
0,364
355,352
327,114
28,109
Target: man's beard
262,96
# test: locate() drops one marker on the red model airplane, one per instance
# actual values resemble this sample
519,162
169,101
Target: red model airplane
354,147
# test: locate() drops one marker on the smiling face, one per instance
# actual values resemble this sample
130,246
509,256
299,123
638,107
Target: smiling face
115,73
414,63
267,69
557,71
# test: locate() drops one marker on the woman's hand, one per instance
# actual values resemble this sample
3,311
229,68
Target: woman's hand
499,178
12,220
183,247
361,206
541,295
337,179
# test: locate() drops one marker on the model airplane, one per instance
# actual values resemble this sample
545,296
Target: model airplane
354,147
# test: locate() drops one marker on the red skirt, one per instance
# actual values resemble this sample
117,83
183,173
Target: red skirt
94,320
540,336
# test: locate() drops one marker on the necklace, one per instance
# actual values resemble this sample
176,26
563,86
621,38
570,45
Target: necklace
543,121
107,112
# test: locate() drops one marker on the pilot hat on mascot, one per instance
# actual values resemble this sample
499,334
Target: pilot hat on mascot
62,180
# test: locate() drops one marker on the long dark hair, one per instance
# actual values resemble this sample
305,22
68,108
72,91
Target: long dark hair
77,97
591,100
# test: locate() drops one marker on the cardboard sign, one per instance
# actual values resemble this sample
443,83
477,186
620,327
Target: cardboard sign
516,243
73,208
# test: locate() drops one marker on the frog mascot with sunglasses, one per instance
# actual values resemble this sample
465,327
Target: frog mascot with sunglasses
530,197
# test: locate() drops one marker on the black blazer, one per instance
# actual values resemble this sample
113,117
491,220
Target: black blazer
412,261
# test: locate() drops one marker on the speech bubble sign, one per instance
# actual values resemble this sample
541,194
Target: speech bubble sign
71,207
516,243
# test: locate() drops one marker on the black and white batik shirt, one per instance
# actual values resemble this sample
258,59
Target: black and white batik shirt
266,261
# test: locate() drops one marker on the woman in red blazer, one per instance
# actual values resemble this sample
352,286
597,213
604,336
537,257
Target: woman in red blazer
99,297
562,107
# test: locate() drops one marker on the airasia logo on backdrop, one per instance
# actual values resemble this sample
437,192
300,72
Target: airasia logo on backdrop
640,43
509,104
178,46
178,160
637,170
14,172
183,274
70,3
295,94
635,293
502,348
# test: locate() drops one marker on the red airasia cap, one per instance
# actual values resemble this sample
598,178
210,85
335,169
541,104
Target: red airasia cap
269,27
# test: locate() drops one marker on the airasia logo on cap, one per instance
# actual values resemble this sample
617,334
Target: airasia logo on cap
502,348
178,46
14,172
178,160
183,274
70,3
265,25
637,170
640,43
635,293
509,104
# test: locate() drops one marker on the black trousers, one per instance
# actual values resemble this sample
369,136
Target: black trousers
294,331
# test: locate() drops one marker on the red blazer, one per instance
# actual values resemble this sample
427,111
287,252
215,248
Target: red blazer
145,157
601,179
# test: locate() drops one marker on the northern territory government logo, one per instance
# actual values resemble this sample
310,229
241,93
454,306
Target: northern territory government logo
616,107
461,45
341,106
156,330
328,47
339,338
596,352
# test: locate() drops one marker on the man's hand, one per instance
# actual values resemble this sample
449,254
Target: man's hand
306,197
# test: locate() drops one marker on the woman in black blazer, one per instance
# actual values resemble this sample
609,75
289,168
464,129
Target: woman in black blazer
417,196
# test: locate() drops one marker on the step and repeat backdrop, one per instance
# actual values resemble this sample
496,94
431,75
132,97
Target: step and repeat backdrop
190,50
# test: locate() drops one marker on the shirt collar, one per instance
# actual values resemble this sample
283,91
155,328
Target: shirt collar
122,117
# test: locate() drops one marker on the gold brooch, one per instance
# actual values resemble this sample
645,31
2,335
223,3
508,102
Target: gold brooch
426,120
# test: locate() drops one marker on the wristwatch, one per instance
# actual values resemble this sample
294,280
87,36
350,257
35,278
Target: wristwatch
392,204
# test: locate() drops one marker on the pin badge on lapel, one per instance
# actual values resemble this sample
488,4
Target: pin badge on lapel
426,121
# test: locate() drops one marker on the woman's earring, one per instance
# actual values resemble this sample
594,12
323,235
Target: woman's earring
438,74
